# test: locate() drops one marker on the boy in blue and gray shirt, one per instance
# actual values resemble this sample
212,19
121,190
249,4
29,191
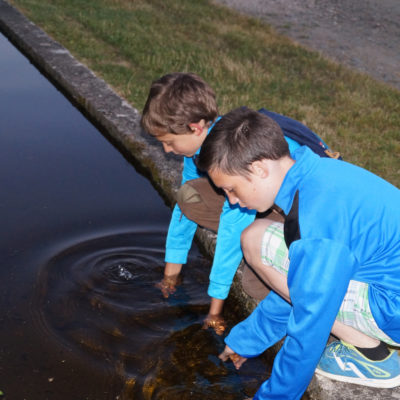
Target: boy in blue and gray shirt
180,111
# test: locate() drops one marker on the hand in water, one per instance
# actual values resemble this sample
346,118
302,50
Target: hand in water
216,322
168,285
228,353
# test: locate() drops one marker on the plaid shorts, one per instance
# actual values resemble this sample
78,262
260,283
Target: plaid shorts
354,311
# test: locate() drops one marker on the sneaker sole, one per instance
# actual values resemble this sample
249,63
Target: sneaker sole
378,383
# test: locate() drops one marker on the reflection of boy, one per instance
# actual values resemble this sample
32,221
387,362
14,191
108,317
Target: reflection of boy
179,112
342,228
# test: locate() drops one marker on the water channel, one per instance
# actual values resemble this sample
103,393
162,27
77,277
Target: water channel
81,246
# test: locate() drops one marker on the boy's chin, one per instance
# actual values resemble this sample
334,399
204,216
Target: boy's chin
263,209
188,155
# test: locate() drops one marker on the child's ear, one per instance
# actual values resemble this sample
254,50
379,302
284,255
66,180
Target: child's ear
260,168
197,127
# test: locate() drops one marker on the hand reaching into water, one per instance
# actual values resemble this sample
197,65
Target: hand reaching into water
171,279
237,360
216,322
168,284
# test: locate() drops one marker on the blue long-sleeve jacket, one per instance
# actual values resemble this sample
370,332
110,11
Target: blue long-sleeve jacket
344,225
228,253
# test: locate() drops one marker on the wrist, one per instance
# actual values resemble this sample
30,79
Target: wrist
172,269
216,306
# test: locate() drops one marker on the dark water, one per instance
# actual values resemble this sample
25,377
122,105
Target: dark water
81,246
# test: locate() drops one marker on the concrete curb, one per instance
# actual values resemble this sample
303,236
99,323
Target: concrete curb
119,121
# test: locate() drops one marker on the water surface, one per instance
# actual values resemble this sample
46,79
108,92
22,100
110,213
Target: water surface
81,246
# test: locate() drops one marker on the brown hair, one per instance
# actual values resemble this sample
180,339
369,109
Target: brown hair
238,139
176,100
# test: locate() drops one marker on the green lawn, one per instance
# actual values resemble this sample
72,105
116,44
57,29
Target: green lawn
129,43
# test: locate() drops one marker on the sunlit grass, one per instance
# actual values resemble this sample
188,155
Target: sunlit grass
129,43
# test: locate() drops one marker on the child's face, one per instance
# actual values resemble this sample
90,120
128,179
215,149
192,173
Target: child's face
252,191
184,145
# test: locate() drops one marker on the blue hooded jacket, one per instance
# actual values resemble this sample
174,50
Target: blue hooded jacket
343,223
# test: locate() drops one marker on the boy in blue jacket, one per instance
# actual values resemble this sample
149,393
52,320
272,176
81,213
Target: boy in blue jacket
180,112
342,236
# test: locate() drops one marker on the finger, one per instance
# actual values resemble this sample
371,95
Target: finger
164,291
222,326
219,329
158,285
224,356
172,289
205,325
239,362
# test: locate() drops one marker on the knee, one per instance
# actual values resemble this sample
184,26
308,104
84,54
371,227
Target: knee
189,201
250,241
247,241
187,195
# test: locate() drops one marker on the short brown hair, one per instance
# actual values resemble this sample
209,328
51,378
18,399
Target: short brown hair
238,139
176,100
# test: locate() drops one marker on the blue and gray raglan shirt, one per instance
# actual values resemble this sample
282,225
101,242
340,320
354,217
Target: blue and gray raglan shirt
342,224
228,253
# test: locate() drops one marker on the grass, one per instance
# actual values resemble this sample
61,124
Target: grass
129,43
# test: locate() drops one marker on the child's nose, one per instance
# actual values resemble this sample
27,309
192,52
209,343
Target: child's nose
232,199
167,148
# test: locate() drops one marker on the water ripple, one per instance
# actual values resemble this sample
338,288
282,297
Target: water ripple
98,296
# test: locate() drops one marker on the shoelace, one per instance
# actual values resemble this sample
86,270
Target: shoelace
339,349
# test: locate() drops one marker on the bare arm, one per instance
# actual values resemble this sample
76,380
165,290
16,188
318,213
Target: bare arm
172,269
216,306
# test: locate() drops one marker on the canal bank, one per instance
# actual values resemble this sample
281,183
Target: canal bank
113,115
120,122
